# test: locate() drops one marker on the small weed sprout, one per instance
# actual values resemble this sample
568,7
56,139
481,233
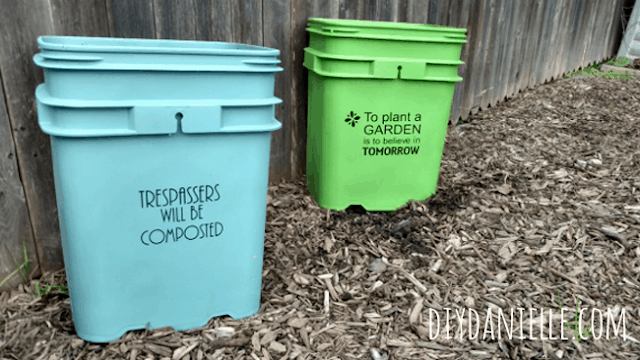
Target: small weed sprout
19,268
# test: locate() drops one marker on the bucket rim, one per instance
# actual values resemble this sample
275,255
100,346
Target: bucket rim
387,25
150,46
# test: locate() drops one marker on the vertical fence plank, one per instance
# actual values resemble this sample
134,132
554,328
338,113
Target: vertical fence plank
15,226
402,12
438,12
237,21
351,9
597,33
587,25
277,35
80,17
387,10
134,19
183,20
509,49
498,78
575,36
461,8
492,55
552,52
20,76
533,43
544,52
528,12
520,31
481,72
301,11
566,37
478,25
556,67
418,11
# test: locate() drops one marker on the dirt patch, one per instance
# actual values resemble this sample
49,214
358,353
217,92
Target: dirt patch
538,203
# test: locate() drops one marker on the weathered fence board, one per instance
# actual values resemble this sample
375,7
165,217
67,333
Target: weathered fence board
15,226
473,48
491,55
546,51
183,20
20,77
512,45
497,73
277,35
80,17
133,19
459,17
418,11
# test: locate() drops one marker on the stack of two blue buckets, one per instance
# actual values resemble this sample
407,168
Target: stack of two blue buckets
160,153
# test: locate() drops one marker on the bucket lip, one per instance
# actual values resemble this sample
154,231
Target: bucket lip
387,25
325,55
150,46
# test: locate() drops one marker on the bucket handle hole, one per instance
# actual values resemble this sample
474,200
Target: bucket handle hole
179,116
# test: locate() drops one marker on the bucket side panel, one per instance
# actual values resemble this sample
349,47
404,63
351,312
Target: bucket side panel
390,150
165,230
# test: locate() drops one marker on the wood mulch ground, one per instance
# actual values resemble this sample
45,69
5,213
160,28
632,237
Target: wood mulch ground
539,199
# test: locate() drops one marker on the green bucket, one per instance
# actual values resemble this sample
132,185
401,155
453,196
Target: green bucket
377,124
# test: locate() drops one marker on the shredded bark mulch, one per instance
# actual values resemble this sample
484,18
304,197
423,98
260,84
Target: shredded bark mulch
538,205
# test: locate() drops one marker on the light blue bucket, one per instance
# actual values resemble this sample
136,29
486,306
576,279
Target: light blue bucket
160,156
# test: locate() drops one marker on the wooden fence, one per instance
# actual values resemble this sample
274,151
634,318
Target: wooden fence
512,45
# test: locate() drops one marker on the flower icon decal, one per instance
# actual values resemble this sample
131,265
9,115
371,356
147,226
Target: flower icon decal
352,119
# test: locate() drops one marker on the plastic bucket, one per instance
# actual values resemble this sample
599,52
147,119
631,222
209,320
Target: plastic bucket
160,156
376,127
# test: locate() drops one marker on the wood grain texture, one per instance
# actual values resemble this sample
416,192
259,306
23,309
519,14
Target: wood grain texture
492,54
461,9
508,50
301,11
553,51
80,17
566,46
475,60
19,78
573,63
15,225
386,10
277,35
237,21
519,31
532,43
484,52
593,52
351,9
598,44
557,65
438,12
498,80
134,19
543,52
402,12
418,11
585,31
182,20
